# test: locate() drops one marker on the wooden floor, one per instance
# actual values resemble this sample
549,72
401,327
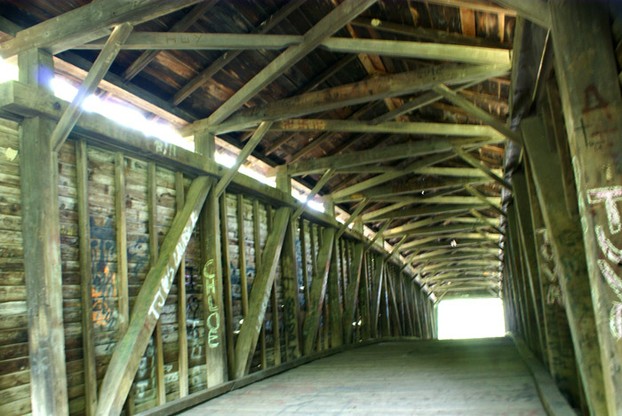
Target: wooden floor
474,377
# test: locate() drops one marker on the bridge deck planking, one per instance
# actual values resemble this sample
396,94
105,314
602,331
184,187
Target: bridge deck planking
474,377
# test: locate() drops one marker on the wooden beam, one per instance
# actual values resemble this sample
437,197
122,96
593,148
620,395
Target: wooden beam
479,165
567,243
478,195
389,127
212,274
41,242
421,101
244,153
410,226
365,157
450,171
351,292
318,290
535,10
377,88
413,186
121,239
149,302
84,233
586,71
152,227
477,112
182,335
183,24
205,75
353,216
394,48
419,50
260,294
432,35
96,74
86,23
316,189
332,22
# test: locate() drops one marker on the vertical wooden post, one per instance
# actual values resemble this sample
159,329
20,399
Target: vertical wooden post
41,240
562,362
211,272
242,255
289,270
121,234
364,295
378,285
152,206
182,335
567,243
226,277
352,291
88,341
526,242
592,102
318,290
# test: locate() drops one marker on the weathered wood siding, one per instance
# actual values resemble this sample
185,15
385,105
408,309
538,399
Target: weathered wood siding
131,202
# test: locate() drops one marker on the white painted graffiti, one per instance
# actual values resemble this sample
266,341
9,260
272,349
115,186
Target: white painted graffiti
609,196
213,319
171,268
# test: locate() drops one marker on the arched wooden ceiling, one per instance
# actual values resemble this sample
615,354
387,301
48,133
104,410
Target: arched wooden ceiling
397,108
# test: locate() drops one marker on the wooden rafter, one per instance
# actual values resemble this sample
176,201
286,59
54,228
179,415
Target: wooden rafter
87,23
345,12
96,74
355,93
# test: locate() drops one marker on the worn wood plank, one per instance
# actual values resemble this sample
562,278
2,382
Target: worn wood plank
393,127
260,293
364,157
582,36
89,85
565,233
244,153
227,284
88,346
318,290
212,272
351,292
149,303
373,89
289,279
152,202
182,333
121,238
41,241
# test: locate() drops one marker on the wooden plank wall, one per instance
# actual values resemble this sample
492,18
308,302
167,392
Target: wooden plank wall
118,208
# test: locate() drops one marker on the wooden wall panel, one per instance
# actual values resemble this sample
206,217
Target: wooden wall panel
14,366
118,198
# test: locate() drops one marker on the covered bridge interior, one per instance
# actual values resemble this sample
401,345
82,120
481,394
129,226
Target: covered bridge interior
196,195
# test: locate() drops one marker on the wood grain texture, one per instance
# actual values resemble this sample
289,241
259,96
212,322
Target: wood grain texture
474,377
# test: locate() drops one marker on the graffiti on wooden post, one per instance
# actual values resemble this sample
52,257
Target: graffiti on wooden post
171,269
610,196
213,317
